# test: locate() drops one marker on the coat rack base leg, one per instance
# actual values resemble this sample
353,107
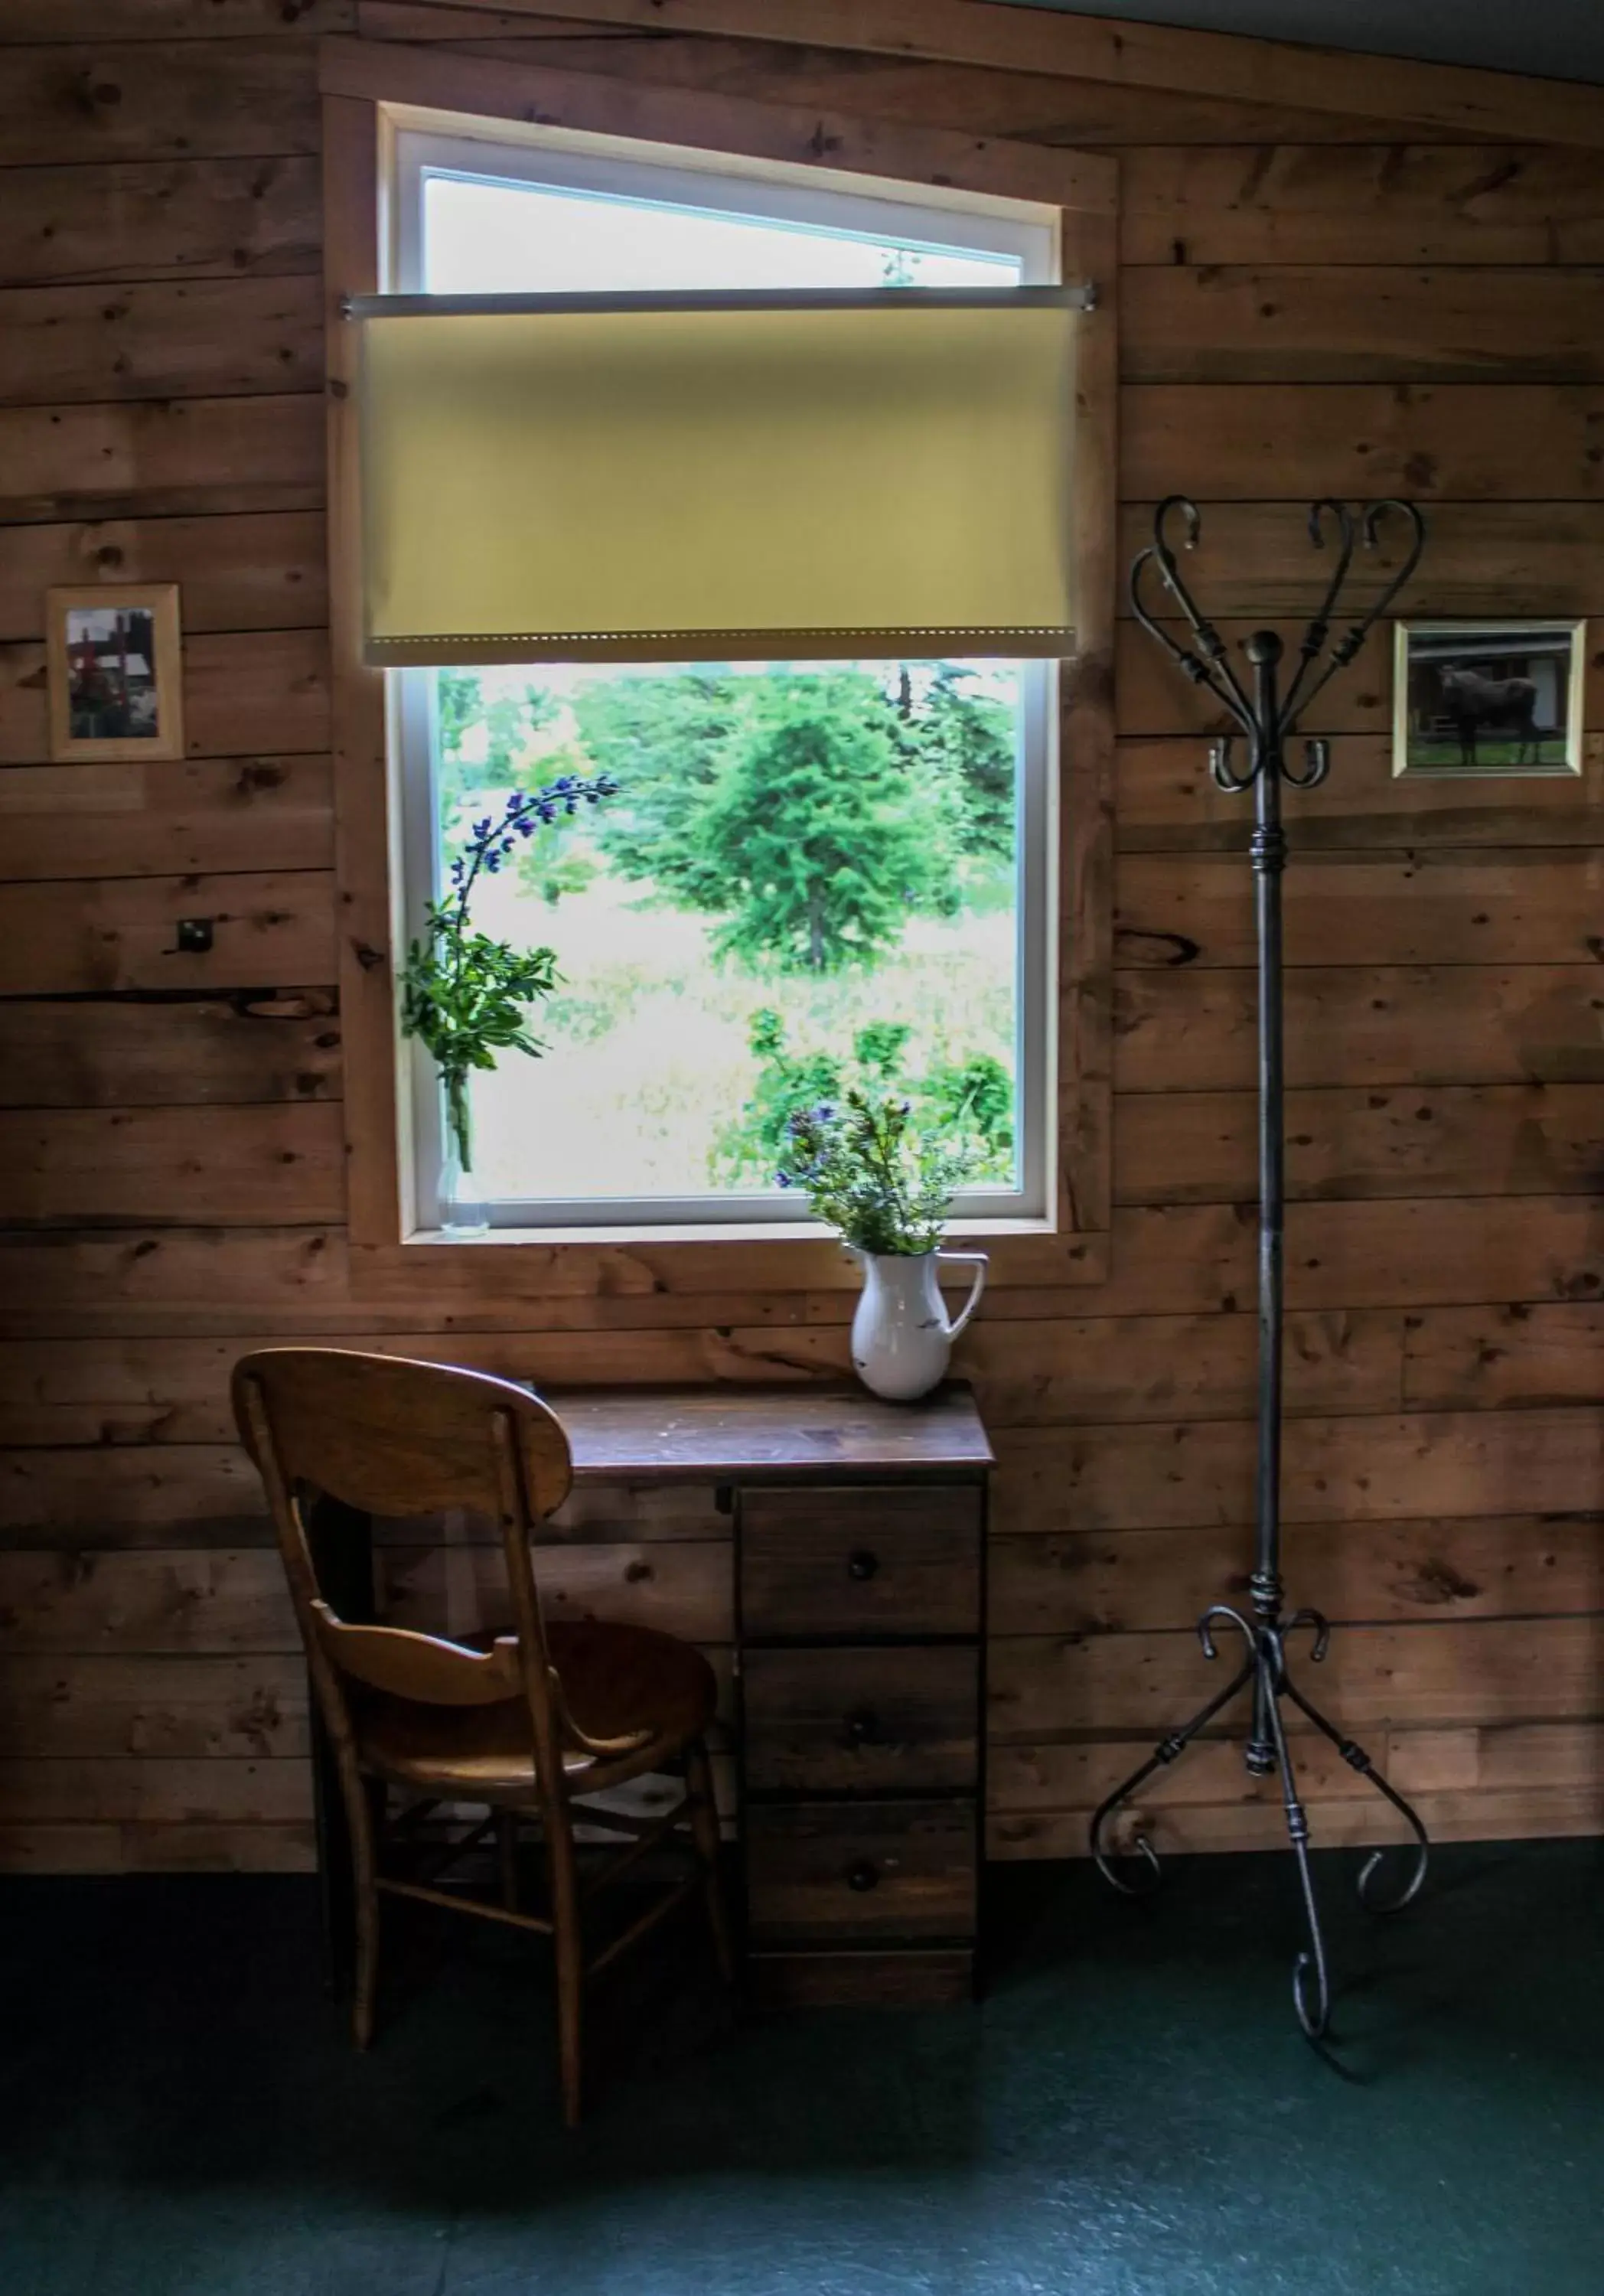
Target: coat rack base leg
1131,1866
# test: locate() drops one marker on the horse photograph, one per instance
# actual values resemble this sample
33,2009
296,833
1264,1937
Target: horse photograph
1499,698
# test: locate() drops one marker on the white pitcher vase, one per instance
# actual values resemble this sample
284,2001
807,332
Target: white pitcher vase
902,1335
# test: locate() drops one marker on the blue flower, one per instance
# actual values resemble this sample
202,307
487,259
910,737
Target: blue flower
782,1179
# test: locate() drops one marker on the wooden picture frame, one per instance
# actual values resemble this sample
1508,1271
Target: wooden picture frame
115,666
1517,707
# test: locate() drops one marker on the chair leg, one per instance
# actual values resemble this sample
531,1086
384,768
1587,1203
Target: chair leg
365,1808
506,1847
704,1829
569,1944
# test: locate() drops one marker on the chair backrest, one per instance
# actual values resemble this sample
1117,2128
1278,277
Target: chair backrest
391,1436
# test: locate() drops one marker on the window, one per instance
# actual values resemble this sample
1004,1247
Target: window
811,874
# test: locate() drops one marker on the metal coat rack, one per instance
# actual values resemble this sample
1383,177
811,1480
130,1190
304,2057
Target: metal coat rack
1267,721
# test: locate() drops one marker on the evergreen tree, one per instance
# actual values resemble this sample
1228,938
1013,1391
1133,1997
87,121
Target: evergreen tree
967,740
663,741
782,805
814,845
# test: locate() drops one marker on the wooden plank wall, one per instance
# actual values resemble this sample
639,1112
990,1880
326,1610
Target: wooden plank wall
1309,306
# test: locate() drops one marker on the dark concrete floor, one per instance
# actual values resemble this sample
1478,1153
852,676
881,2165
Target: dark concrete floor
1131,2113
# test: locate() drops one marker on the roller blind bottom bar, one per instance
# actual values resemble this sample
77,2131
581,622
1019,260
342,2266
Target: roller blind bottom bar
998,645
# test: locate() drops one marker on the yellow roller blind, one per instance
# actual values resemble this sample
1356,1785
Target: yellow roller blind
725,479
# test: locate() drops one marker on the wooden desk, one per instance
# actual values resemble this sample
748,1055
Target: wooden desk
857,1553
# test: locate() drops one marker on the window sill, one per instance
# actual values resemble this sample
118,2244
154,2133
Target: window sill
597,1278
751,1231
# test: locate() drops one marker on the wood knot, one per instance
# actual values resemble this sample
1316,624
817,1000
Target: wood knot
259,774
1171,948
1436,1582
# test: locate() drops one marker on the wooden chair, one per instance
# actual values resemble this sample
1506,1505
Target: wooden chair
523,1724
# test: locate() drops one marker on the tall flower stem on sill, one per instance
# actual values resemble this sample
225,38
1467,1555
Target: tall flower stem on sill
464,995
457,1117
462,1210
464,1213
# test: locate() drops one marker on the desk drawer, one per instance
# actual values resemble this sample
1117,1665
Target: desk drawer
901,1869
835,1565
874,1720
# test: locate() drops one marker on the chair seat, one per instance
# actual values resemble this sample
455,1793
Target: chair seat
615,1680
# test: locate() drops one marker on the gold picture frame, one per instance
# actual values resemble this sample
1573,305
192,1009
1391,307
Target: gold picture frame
115,672
1500,695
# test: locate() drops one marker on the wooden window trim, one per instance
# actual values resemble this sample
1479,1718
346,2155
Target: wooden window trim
362,84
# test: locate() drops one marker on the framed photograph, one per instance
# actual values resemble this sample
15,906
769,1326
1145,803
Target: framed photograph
115,685
1488,697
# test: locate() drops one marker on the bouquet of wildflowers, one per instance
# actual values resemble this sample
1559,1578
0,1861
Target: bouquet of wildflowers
463,994
876,1181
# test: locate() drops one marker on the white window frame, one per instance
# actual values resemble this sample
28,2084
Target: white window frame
941,218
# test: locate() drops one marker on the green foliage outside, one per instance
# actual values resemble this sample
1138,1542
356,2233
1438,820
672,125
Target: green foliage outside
815,841
810,813
970,1101
964,744
484,742
809,821
750,1147
976,1096
663,739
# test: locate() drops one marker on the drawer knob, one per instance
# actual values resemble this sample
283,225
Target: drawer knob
863,1876
862,1728
863,1562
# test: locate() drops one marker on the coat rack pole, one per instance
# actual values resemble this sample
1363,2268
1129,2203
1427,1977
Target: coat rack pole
1267,719
1269,852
